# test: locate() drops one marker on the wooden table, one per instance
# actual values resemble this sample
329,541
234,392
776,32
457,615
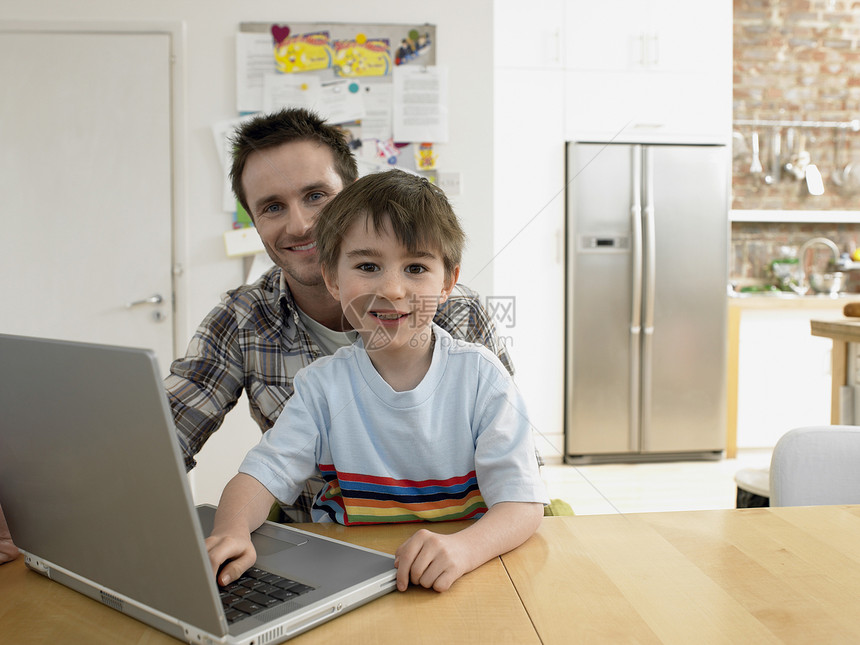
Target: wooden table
770,575
778,575
843,332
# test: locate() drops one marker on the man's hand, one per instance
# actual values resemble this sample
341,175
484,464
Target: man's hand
234,549
8,550
431,560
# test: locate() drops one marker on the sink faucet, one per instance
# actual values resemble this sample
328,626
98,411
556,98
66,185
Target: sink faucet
802,286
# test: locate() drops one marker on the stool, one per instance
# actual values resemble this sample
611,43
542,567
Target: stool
753,488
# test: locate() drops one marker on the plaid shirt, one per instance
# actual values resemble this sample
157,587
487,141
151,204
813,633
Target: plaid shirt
256,341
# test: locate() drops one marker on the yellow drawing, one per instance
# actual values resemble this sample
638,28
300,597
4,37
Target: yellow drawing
425,158
361,57
303,53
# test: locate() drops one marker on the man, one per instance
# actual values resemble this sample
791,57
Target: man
286,166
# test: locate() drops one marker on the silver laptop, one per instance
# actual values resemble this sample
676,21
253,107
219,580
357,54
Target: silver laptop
96,496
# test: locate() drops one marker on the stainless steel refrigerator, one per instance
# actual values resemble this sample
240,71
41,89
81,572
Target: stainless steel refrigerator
647,262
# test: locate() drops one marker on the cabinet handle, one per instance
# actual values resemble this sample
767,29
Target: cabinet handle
654,59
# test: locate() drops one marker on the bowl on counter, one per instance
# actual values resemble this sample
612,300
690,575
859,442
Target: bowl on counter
827,283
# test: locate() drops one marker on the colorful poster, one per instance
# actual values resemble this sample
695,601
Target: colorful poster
425,158
361,57
413,46
305,53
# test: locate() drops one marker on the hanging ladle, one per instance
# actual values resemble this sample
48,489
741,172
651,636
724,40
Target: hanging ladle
755,167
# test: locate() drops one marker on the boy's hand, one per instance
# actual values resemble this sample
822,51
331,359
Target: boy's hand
437,561
244,505
431,560
236,550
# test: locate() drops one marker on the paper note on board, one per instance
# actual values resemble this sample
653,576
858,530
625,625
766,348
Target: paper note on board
420,103
254,59
377,122
291,91
222,132
341,101
338,101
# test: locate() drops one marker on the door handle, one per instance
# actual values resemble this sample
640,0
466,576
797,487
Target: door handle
152,300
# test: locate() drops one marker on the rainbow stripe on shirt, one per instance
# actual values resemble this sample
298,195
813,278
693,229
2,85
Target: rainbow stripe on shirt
352,498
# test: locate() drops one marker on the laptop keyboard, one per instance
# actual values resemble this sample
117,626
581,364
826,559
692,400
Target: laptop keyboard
257,590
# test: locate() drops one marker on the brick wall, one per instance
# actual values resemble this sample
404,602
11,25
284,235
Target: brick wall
797,60
755,245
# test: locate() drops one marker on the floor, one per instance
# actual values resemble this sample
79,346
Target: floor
650,487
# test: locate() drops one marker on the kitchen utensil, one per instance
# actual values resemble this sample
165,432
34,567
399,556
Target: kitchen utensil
775,171
801,161
755,166
790,154
829,283
851,179
838,175
814,183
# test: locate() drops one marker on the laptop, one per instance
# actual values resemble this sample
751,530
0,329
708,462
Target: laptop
94,489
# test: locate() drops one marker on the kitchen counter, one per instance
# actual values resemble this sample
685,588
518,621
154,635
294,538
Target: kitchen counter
738,303
787,300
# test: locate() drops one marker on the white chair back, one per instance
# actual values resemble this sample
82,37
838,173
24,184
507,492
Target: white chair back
816,466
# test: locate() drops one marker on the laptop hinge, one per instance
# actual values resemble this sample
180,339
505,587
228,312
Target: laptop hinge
37,565
195,636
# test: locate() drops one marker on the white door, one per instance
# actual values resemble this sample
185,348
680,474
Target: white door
85,187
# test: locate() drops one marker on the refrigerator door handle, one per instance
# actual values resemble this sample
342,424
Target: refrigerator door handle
649,286
636,298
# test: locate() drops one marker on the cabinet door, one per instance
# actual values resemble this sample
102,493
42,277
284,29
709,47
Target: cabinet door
528,36
690,36
652,35
606,35
783,374
632,107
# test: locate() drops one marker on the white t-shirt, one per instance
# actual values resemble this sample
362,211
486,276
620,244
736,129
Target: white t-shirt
450,448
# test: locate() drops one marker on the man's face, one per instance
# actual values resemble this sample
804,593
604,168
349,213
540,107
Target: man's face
285,187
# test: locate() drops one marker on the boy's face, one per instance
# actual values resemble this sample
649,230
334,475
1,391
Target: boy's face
388,294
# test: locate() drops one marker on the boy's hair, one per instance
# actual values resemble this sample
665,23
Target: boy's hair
417,211
288,125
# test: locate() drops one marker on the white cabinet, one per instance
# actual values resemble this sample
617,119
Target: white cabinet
610,35
528,208
528,267
528,37
652,35
784,375
658,70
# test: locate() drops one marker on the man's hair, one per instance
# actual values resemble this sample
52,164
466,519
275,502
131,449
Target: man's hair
288,125
417,211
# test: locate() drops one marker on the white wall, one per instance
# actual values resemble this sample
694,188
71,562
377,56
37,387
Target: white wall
464,46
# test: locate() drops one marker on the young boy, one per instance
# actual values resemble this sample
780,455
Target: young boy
405,425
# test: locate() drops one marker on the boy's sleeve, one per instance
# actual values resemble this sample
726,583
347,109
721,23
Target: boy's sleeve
504,450
288,453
